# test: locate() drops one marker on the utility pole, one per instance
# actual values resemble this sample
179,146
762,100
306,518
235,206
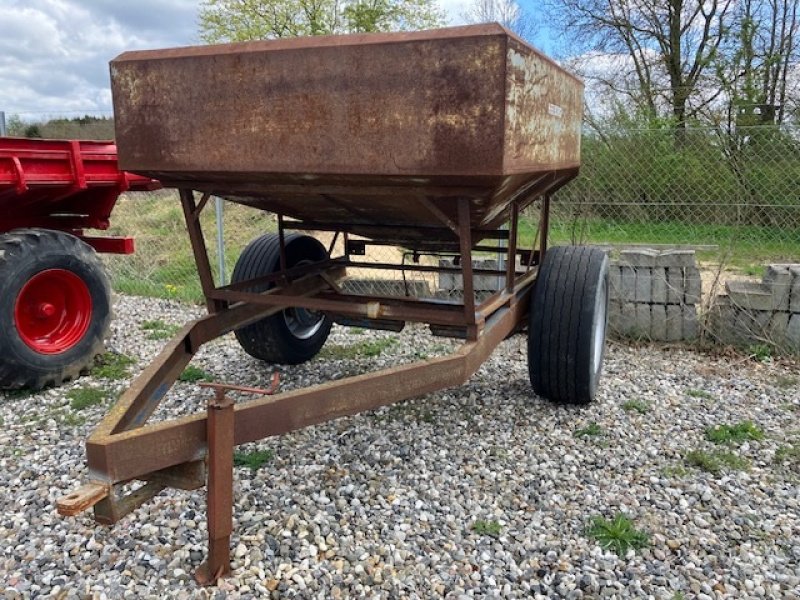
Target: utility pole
3,124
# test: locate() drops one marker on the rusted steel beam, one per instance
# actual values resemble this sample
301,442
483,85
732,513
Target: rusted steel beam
465,241
354,306
511,257
110,509
129,454
430,232
191,214
544,226
141,399
219,433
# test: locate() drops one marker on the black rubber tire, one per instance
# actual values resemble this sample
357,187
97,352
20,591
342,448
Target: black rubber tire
568,311
23,254
271,338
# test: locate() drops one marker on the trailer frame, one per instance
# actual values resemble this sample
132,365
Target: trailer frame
182,453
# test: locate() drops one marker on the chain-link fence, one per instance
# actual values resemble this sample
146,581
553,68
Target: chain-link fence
734,198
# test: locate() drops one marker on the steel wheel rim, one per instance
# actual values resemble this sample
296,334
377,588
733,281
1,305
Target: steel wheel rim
599,329
303,323
53,311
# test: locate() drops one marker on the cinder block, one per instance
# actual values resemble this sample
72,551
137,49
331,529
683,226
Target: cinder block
794,295
779,280
644,285
615,282
658,322
454,281
676,258
615,317
776,332
628,283
638,258
674,323
659,285
690,327
793,333
753,325
641,329
722,321
750,295
694,286
628,319
675,285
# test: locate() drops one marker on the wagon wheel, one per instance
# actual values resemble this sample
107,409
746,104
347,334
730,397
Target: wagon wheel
294,335
567,324
54,310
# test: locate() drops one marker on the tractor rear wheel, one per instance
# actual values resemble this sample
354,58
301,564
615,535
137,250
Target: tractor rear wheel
567,324
55,308
294,335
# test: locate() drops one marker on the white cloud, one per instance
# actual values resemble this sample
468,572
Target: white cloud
54,54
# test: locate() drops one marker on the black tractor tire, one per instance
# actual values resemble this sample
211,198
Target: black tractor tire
55,308
294,335
567,324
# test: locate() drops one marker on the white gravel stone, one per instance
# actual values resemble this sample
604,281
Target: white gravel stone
384,504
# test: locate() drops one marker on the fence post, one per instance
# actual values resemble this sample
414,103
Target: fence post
220,240
2,123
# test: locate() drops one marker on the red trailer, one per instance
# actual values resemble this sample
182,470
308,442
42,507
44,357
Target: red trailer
55,301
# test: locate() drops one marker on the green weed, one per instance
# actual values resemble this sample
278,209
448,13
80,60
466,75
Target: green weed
159,330
760,352
734,434
788,455
490,528
112,365
677,471
84,397
715,462
192,374
253,460
785,382
700,394
591,430
639,406
617,534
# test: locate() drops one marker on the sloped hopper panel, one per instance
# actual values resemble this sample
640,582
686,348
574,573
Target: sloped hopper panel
362,129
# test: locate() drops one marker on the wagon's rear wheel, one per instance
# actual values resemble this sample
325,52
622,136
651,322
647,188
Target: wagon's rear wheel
55,308
567,324
293,335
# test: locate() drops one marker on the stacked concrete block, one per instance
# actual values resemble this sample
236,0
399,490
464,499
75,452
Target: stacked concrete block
482,283
765,312
654,295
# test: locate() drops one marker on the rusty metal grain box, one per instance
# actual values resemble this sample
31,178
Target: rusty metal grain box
353,128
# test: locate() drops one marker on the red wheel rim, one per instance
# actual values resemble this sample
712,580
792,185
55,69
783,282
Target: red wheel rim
53,311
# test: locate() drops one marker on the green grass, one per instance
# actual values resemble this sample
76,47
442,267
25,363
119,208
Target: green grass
754,270
716,461
677,471
617,534
788,455
363,349
734,434
253,460
84,397
760,352
639,406
490,528
112,365
752,243
591,430
699,394
159,330
192,374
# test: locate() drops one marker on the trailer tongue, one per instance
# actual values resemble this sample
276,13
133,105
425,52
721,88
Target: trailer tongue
431,141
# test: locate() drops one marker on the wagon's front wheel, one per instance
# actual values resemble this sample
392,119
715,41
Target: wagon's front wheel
55,307
294,335
567,324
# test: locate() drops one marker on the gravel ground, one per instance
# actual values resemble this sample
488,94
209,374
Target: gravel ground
482,491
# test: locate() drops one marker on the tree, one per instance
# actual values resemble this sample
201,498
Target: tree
506,12
244,20
664,48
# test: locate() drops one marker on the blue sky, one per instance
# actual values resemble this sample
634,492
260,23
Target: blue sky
54,53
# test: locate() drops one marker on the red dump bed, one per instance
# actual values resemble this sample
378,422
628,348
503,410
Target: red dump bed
61,184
